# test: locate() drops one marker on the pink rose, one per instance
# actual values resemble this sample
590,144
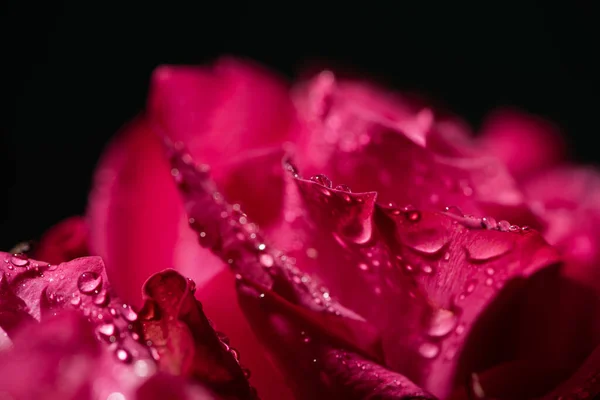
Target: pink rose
354,244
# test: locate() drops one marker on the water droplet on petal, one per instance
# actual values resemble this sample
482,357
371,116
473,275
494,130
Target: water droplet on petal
123,355
490,271
322,180
428,242
89,282
427,269
489,223
470,286
19,260
101,298
429,350
504,226
128,313
486,249
76,300
106,330
266,260
454,211
413,216
344,188
363,267
442,323
489,282
460,329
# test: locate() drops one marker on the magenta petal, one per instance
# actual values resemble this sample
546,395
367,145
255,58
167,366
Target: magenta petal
423,278
163,386
406,156
233,108
133,207
65,241
584,384
230,234
523,142
319,367
459,268
184,339
65,360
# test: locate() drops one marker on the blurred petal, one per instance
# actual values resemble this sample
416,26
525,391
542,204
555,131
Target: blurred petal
584,384
232,108
43,291
134,207
405,155
65,241
163,386
320,367
186,343
567,199
523,142
418,276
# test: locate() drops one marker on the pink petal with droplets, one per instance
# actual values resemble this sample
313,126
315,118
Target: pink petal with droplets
317,366
467,277
406,156
65,241
42,291
417,276
233,108
525,143
186,343
134,207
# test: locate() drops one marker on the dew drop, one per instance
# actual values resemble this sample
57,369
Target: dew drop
413,216
291,168
459,329
504,226
363,267
101,298
89,282
19,260
486,249
489,223
106,330
427,269
343,188
428,242
322,180
490,271
429,350
489,282
128,313
446,256
76,300
470,286
442,323
123,355
454,211
266,260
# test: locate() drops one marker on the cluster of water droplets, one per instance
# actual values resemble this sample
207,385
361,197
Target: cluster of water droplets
115,323
238,241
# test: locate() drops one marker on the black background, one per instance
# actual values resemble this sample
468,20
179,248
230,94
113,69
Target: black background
74,72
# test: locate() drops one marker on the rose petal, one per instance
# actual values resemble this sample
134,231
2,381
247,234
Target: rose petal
585,383
523,142
232,108
465,274
405,157
566,304
229,233
133,207
164,386
65,241
42,291
186,343
317,366
29,369
412,274
517,380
